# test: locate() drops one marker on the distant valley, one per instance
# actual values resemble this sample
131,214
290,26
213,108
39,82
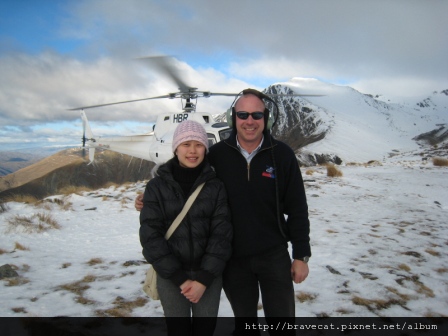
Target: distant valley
13,161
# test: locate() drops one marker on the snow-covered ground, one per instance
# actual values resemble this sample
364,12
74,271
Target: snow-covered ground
379,242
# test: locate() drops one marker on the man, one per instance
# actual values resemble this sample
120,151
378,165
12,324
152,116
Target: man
263,183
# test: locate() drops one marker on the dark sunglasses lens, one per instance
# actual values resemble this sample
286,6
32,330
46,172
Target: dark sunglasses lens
257,115
245,115
242,115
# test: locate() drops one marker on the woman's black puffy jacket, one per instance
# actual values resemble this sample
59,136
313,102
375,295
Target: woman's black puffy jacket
202,242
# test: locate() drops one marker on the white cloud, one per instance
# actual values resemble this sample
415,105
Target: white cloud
400,87
382,47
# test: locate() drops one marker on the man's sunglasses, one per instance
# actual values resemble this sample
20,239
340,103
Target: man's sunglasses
255,115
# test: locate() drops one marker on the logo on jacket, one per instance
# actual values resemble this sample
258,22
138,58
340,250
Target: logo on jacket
269,172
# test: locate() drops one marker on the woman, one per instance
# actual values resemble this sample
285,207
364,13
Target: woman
188,265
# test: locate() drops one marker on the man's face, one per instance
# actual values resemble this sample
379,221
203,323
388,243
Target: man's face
249,131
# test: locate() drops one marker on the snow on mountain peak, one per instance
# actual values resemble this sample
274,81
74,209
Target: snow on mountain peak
346,123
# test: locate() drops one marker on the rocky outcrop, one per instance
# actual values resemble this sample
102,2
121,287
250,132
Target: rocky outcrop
6,271
299,123
433,137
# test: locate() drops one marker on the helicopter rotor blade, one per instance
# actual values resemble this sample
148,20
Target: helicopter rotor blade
220,94
165,65
267,94
293,95
122,102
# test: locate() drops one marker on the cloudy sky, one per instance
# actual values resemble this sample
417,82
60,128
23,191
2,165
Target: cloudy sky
57,55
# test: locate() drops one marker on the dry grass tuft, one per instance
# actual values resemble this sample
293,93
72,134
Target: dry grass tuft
421,288
78,190
122,308
376,304
84,301
89,278
432,252
111,185
310,171
442,270
66,205
20,247
63,203
28,199
124,201
373,163
78,288
19,310
304,297
47,218
402,296
344,311
333,171
36,223
440,162
95,261
17,281
404,267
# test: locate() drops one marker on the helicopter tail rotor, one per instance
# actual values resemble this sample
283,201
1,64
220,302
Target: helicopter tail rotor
84,139
87,136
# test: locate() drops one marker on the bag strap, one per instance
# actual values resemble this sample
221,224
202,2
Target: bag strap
184,211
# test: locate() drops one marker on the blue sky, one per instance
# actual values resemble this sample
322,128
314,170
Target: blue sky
32,26
56,55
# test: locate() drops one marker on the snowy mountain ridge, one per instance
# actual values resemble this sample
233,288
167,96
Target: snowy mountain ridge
353,126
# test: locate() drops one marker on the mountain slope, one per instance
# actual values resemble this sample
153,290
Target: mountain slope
39,169
68,169
350,126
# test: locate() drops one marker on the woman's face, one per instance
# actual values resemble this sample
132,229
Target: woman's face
190,153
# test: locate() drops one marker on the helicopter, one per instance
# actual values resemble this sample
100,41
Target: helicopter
155,145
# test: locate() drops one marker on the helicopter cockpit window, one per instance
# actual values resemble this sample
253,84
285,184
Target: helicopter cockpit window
219,125
206,119
224,134
211,139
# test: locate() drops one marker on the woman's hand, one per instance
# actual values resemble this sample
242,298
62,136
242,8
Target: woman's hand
186,285
193,291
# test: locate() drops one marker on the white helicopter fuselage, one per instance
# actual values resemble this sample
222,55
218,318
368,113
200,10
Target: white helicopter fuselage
155,146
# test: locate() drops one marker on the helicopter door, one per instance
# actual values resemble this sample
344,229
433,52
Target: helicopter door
211,139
